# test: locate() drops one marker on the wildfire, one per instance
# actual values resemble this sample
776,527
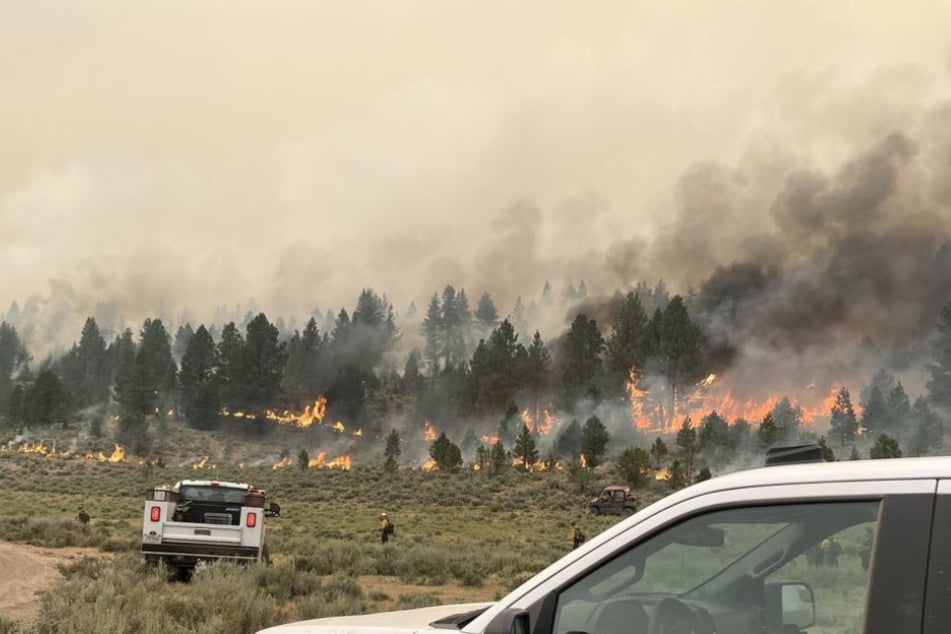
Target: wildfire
358,433
200,464
662,474
320,461
543,426
339,427
431,434
282,463
312,414
429,465
657,408
118,455
489,440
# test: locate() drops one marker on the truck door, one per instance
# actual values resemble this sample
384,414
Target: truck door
752,570
937,615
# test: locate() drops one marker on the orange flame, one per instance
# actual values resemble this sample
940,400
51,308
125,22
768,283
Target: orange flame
342,462
339,427
200,464
489,440
431,434
707,396
429,465
663,474
318,460
283,463
312,414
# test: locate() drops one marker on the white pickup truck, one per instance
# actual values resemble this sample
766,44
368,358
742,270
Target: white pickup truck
857,546
204,520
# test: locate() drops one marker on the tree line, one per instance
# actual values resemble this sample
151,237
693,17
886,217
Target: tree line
470,365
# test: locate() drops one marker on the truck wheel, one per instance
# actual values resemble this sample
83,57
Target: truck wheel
595,510
182,573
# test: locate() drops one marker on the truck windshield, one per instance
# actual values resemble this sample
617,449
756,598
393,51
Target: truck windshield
197,493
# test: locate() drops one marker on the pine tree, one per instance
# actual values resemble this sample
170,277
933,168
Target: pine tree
264,360
659,452
13,360
305,364
182,336
568,442
486,314
885,447
843,424
525,452
788,419
594,441
86,368
927,428
688,443
939,385
678,475
46,400
433,334
633,466
199,381
412,380
677,351
392,451
498,457
537,370
627,344
581,357
158,367
445,453
231,361
131,392
769,432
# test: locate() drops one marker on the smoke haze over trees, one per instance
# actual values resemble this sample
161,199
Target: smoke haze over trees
611,208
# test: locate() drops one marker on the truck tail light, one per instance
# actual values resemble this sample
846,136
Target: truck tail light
252,520
155,514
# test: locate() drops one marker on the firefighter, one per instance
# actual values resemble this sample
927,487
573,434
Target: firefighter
386,527
577,537
83,516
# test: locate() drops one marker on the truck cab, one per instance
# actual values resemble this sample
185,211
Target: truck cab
738,554
204,520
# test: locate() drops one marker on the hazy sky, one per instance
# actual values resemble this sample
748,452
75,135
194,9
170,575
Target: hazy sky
169,154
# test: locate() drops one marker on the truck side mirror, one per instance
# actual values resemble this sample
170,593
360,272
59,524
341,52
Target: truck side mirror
510,621
790,603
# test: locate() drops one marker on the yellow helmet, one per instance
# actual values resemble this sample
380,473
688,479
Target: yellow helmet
383,514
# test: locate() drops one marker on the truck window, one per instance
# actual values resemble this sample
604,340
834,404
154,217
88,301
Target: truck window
212,494
740,570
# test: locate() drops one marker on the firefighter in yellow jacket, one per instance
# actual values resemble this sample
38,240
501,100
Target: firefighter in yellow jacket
386,527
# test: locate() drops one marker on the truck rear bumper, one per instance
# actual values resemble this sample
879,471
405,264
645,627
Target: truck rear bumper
191,554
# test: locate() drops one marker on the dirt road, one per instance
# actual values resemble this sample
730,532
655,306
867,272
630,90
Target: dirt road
29,571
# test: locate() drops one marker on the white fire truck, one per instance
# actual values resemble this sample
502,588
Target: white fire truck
205,520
